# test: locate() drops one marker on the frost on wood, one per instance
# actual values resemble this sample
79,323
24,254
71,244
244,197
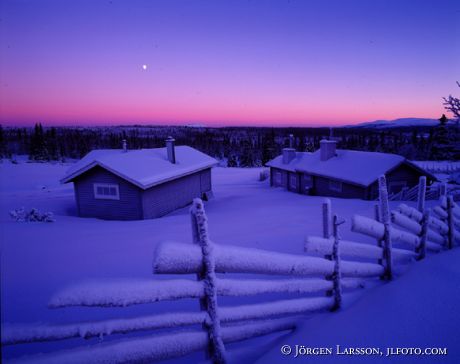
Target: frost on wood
209,279
421,194
367,226
410,212
358,269
386,220
438,210
352,249
433,246
435,237
337,275
245,287
276,308
450,222
405,222
438,225
155,348
423,236
13,334
456,212
34,215
126,293
405,238
232,259
327,218
347,248
121,294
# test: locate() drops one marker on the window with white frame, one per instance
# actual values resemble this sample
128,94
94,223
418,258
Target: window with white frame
335,185
278,178
293,181
106,191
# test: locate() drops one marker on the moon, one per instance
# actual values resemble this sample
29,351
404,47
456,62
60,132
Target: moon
144,67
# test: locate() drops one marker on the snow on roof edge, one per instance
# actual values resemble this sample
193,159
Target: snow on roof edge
303,170
302,167
145,181
140,185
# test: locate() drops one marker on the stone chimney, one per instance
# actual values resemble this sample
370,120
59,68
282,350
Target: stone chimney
327,149
124,145
289,153
171,150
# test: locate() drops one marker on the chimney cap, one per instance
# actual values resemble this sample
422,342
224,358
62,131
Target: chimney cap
326,141
170,138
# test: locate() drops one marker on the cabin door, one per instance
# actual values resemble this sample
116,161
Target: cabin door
307,184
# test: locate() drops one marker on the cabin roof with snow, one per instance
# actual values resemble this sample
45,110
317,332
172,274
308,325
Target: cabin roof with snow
357,167
143,167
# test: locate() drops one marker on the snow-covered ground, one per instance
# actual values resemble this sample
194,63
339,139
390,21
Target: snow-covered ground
38,259
420,309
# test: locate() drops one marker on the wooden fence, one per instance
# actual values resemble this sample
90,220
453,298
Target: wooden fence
433,192
401,235
321,283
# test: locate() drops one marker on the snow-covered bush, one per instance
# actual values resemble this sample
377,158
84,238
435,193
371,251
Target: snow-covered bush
21,215
264,174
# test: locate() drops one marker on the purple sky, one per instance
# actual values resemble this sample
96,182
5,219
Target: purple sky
286,62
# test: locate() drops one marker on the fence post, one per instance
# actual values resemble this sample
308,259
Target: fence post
450,222
208,275
337,275
421,250
385,212
442,190
327,219
404,193
421,194
378,218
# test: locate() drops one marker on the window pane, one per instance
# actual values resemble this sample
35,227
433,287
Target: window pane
106,191
113,191
100,190
335,185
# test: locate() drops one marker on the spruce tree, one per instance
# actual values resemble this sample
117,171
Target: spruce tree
442,147
38,150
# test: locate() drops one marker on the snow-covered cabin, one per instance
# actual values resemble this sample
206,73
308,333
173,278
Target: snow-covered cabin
342,173
122,184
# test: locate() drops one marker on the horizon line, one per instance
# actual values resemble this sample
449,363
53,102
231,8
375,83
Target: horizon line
197,124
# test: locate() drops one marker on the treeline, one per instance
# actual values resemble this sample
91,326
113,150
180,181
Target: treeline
233,146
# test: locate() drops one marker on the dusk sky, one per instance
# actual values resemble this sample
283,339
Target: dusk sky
286,62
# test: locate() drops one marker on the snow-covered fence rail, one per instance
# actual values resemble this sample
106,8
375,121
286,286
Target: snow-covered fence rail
412,230
170,258
442,222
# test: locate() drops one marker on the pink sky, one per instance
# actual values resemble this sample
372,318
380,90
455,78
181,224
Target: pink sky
234,63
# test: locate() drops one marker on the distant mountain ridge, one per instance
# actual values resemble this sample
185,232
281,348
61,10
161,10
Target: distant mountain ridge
397,123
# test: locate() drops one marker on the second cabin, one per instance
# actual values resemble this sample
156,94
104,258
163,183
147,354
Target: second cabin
342,173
